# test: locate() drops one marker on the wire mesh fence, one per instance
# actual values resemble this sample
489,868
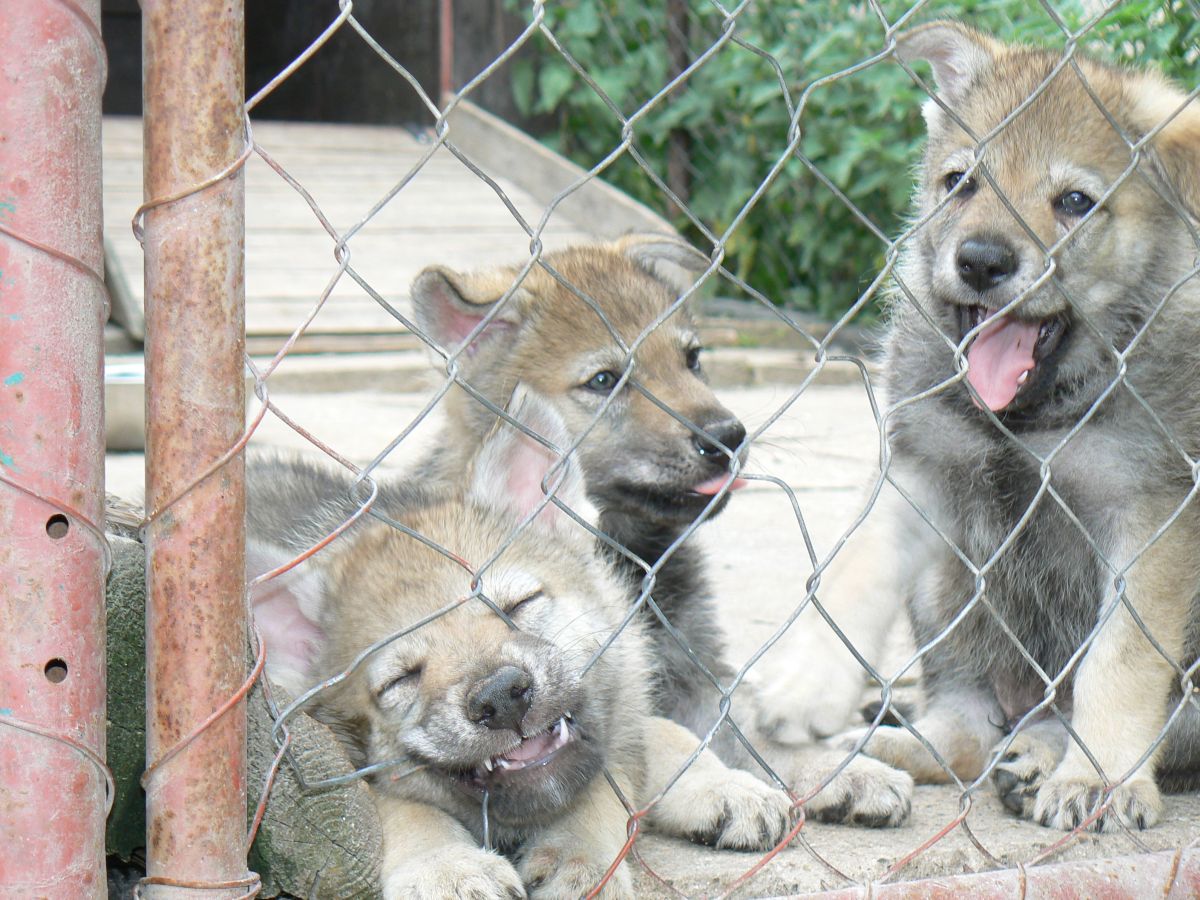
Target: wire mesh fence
505,614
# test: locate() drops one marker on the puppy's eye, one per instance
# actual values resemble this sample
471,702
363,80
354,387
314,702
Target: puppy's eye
693,359
1074,203
602,382
524,602
952,179
408,678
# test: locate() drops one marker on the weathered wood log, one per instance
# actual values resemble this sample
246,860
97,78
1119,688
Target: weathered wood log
322,843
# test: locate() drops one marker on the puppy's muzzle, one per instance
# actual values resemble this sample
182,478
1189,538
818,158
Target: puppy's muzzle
985,261
501,699
720,441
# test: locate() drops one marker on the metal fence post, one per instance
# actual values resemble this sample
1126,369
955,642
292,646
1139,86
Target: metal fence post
193,236
52,551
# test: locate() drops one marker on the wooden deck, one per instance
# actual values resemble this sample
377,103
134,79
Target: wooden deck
445,214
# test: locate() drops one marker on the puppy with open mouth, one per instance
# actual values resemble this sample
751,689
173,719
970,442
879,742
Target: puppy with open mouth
475,657
1041,359
1037,512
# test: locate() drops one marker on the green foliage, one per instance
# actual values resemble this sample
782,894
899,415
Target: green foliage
735,117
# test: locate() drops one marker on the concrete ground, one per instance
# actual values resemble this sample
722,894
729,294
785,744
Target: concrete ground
823,447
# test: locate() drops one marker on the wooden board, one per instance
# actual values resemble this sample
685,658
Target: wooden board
441,213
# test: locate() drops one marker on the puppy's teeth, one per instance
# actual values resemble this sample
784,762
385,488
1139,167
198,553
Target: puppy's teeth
561,736
568,717
489,765
503,763
1023,377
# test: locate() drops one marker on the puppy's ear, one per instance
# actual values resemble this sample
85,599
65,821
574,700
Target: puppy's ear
449,305
287,610
672,261
1154,100
957,53
513,472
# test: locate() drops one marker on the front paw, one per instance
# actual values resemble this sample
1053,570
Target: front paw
866,792
802,704
465,873
556,871
1065,802
1023,769
731,810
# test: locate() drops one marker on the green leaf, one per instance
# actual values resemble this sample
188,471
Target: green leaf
553,83
522,86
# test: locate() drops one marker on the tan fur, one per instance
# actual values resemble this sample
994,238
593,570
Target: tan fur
1012,132
564,339
413,702
617,308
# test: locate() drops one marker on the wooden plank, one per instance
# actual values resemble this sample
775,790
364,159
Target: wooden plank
444,214
269,344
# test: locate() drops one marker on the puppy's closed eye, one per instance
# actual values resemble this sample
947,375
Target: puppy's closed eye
524,602
408,677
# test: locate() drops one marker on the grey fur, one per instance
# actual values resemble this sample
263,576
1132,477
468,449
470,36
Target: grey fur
498,726
645,514
1119,473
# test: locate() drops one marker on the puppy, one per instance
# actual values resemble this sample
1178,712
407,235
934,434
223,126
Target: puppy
1041,360
656,449
477,662
596,333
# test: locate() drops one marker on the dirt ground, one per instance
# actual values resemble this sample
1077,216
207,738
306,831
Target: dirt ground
823,447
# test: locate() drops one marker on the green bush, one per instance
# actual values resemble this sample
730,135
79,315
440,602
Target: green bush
799,244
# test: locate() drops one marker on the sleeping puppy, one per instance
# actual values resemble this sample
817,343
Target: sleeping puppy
485,674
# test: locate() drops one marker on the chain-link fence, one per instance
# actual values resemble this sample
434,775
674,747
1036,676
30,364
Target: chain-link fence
535,683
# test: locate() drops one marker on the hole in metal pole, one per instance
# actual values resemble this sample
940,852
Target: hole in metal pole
56,671
57,526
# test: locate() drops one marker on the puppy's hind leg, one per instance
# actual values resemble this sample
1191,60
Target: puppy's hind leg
707,802
961,725
1032,755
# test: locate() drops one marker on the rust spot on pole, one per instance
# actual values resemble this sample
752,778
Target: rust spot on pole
195,407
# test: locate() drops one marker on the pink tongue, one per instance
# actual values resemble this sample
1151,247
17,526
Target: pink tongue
710,487
998,356
531,748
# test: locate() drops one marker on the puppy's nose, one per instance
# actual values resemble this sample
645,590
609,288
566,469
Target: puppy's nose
984,262
727,432
501,699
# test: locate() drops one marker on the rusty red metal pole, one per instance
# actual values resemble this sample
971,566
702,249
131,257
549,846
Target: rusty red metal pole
193,83
52,311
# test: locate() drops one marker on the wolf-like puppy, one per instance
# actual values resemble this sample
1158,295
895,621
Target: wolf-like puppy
655,453
650,472
491,713
1042,357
